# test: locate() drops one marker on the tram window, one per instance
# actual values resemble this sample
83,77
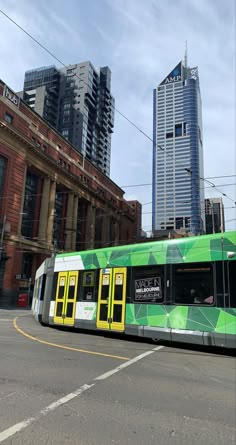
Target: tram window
193,284
71,287
54,286
61,291
147,284
59,309
117,313
43,287
232,287
88,286
105,292
69,309
119,283
71,291
222,284
118,292
103,312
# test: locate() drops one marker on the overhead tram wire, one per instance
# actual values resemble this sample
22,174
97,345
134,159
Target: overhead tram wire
188,170
66,192
150,183
223,176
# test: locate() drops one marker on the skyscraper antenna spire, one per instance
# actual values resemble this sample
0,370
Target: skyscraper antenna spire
186,55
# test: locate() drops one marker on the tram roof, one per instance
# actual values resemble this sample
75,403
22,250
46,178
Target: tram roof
213,247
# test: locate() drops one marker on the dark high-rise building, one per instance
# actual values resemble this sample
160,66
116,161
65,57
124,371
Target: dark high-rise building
215,220
77,101
178,190
41,92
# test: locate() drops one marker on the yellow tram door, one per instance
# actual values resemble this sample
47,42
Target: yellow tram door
67,284
60,297
104,293
118,298
111,299
70,300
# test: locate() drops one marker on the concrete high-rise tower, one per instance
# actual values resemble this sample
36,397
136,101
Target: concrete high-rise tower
215,219
77,101
178,190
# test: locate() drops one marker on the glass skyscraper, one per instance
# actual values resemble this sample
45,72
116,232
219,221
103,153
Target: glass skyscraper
178,190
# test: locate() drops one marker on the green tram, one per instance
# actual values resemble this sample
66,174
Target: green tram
177,290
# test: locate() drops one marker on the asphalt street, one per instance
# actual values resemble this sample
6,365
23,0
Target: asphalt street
62,387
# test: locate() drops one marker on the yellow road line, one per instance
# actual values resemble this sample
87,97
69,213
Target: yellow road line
85,351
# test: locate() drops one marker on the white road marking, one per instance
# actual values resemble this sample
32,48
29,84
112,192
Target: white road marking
128,363
25,423
22,425
66,399
8,395
14,429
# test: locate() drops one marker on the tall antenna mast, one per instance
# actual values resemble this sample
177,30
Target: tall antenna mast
186,55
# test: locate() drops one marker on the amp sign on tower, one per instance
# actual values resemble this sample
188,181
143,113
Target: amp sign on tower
174,76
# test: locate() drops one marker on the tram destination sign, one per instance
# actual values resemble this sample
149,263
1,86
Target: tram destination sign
148,290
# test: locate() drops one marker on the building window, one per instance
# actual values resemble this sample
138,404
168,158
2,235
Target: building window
8,118
178,130
3,164
58,224
27,265
169,135
28,219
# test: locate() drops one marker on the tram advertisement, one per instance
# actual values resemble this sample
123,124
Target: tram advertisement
148,289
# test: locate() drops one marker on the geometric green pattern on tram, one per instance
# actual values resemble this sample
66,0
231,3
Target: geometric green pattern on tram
226,320
182,250
182,317
202,318
178,317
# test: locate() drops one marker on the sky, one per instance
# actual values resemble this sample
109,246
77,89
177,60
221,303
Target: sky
141,41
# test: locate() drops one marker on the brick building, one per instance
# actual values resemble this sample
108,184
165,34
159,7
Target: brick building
51,198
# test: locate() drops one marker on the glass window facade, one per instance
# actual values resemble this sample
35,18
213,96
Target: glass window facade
177,127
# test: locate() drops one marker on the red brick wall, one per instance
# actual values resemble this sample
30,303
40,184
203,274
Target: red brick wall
13,267
13,186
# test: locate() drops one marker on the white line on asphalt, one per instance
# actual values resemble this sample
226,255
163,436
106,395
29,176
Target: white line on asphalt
65,399
128,363
21,425
8,395
14,429
25,423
